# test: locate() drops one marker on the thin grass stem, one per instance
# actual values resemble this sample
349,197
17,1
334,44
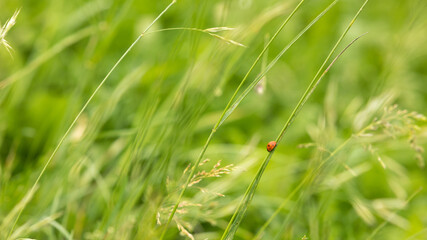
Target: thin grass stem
240,211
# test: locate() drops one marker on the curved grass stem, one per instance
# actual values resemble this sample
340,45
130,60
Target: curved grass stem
34,187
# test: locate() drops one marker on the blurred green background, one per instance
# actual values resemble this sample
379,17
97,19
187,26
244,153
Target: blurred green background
122,165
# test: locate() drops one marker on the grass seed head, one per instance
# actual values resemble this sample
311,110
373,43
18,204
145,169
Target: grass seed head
5,29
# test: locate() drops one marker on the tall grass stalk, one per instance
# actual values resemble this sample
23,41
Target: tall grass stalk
240,211
34,187
224,116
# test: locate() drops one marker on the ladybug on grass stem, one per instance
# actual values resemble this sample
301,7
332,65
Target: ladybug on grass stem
271,145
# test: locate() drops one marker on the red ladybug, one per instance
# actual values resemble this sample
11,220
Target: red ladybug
271,145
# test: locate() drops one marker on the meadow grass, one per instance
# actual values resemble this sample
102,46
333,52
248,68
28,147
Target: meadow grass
136,157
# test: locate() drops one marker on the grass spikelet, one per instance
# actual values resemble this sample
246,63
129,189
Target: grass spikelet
5,29
185,209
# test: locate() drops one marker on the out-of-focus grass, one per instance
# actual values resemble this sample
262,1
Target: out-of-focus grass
123,163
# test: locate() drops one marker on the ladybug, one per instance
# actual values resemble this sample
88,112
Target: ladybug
271,145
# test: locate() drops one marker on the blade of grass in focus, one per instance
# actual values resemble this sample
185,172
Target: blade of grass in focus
238,215
240,211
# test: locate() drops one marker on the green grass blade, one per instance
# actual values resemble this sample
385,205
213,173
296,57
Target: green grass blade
33,188
220,120
240,211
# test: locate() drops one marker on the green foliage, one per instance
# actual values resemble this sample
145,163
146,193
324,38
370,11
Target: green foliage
350,167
